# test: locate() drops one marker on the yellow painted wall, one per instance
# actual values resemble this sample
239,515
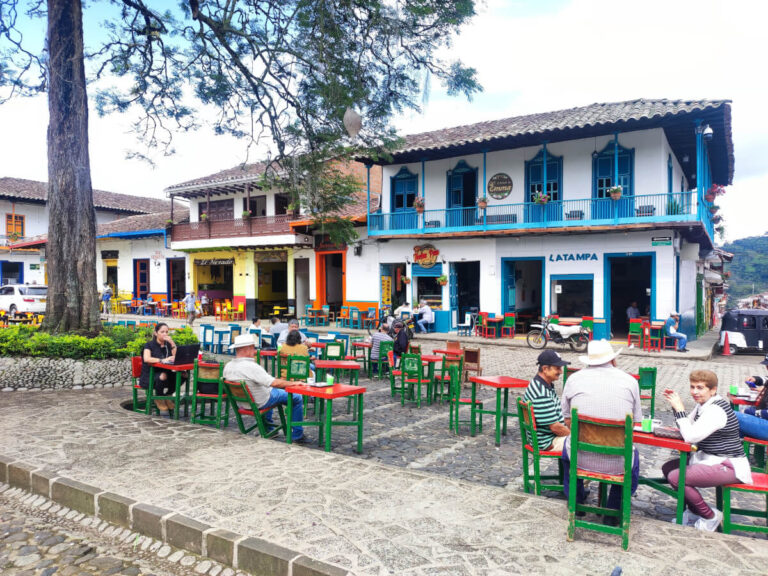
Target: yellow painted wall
266,292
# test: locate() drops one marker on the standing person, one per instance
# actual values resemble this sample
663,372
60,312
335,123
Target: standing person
551,430
204,304
106,296
633,312
602,390
426,316
720,459
753,420
267,391
670,330
161,348
400,346
189,306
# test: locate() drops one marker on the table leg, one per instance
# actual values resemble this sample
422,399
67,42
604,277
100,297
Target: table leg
681,487
498,417
178,396
359,424
472,410
328,424
288,420
506,411
321,422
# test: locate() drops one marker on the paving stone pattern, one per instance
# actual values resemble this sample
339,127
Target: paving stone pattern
419,500
40,538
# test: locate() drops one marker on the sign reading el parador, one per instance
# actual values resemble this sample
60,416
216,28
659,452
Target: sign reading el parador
425,255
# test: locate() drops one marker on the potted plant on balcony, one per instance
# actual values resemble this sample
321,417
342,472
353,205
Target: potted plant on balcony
203,217
418,204
716,219
540,198
615,192
246,214
714,191
406,280
442,280
714,208
482,202
720,230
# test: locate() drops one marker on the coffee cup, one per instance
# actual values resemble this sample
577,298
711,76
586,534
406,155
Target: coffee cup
329,380
647,425
734,389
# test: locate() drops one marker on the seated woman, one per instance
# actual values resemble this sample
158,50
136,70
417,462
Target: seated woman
753,420
720,459
292,347
161,348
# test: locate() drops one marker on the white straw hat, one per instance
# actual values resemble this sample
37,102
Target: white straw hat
241,341
599,352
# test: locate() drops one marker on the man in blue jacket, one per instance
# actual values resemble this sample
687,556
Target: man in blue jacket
670,331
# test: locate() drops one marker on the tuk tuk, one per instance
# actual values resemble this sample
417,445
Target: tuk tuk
747,330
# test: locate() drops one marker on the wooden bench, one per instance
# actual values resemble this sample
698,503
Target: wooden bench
759,486
645,210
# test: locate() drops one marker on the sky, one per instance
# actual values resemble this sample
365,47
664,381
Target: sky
531,56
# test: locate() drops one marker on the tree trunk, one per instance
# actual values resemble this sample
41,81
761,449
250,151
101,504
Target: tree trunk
71,251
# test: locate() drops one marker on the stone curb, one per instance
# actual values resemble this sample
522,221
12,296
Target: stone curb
247,554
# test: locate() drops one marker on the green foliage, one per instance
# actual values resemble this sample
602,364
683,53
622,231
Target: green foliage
113,342
749,269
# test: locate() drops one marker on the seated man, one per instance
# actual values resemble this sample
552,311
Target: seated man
540,394
277,326
602,390
377,338
293,324
633,312
266,390
670,331
427,316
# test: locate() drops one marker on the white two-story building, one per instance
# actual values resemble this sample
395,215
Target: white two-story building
518,214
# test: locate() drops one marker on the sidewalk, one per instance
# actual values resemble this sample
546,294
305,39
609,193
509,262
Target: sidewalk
368,517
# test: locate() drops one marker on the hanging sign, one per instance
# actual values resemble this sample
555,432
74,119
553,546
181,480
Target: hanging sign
499,186
661,240
425,255
214,262
276,256
386,290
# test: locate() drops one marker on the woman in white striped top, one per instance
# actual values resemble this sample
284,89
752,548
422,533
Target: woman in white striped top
720,459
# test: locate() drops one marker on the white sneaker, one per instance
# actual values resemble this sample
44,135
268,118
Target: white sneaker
689,518
711,524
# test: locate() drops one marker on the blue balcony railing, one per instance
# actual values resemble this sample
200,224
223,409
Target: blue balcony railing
650,208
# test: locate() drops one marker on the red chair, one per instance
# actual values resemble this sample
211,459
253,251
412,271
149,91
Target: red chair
135,375
651,341
483,328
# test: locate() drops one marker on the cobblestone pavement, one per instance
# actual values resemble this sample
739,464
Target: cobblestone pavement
40,538
419,500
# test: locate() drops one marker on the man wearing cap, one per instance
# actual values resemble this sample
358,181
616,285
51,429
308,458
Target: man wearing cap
670,331
753,420
602,390
267,391
540,394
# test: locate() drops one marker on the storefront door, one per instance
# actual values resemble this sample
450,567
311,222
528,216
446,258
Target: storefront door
141,278
176,270
628,278
522,287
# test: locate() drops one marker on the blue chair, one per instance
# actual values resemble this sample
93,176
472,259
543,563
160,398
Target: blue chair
220,340
342,320
234,330
308,319
206,337
325,317
268,340
354,318
345,339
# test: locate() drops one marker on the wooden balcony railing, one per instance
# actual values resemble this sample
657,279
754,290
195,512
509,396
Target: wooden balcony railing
237,228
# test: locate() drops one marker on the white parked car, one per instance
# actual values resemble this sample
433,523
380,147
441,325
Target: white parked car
16,298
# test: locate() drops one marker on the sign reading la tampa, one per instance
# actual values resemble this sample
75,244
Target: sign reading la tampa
425,255
572,257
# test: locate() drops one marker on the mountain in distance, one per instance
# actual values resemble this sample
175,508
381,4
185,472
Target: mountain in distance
749,269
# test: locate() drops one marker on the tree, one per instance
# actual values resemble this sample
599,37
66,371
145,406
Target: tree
277,71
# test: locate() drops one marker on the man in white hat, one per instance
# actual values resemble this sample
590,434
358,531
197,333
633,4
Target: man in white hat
602,390
670,331
267,391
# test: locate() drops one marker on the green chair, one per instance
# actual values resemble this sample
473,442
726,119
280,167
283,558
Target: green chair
759,486
567,373
600,436
411,378
508,327
444,378
334,351
635,331
208,376
455,401
647,384
393,374
530,442
243,405
384,349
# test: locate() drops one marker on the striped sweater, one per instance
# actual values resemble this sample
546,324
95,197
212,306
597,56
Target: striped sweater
724,442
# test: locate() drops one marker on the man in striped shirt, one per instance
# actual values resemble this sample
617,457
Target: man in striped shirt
551,430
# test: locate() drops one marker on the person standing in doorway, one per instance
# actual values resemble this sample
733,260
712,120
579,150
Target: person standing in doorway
189,306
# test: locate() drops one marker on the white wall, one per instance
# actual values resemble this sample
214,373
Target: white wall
35,217
363,276
650,171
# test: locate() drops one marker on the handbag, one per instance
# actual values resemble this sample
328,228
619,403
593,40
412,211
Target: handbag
667,432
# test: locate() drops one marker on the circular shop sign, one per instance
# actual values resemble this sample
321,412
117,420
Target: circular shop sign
499,186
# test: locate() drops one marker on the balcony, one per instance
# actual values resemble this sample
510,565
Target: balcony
237,228
644,209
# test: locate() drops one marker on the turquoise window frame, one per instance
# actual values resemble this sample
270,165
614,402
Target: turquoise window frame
554,184
607,158
405,183
558,277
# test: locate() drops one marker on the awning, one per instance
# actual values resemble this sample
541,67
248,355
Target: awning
712,277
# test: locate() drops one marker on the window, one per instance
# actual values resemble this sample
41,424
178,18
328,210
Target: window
403,187
604,168
534,176
14,225
669,174
748,322
219,209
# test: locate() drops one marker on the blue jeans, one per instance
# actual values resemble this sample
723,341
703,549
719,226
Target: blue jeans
681,338
423,325
752,426
280,396
614,494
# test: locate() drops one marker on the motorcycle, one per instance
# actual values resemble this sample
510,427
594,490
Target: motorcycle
577,337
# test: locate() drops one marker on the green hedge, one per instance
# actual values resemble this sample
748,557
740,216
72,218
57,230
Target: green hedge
113,342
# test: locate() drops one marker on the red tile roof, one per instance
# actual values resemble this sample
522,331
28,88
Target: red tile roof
156,221
20,189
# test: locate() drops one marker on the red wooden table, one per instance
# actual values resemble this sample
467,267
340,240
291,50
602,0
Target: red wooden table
179,369
504,383
351,365
366,348
325,421
496,321
661,484
451,352
741,401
